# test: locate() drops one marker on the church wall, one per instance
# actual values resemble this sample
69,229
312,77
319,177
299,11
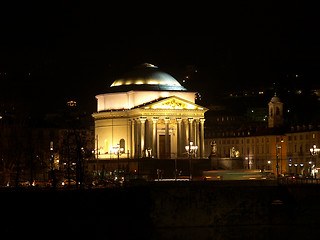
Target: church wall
112,101
110,132
127,100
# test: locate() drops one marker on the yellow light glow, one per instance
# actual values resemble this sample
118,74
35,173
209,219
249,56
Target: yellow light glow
166,107
72,103
153,82
149,65
173,104
237,154
139,82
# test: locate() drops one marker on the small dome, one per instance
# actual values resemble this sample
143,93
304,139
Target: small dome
148,76
275,99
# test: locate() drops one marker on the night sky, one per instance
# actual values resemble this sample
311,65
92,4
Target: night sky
74,50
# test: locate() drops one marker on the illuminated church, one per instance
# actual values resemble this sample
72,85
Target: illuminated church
148,114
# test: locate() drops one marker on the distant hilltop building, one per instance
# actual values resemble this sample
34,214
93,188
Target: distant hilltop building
146,113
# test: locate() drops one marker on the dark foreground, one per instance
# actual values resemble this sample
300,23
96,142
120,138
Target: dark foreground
181,210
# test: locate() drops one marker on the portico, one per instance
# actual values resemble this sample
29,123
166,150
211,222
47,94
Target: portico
151,132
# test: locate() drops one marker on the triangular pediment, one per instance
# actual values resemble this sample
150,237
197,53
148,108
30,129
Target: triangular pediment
174,102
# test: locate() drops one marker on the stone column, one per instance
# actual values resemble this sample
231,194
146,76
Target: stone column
179,137
154,137
133,142
143,130
191,135
202,137
167,147
186,126
149,134
196,137
129,143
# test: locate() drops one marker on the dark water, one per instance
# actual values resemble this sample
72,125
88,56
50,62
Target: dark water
241,233
148,213
58,230
213,233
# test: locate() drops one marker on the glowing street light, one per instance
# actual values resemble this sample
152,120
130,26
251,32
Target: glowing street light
314,151
118,150
191,150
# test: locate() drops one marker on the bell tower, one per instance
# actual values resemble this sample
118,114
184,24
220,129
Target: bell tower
275,112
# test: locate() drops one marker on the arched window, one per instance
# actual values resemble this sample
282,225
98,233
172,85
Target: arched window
123,145
271,112
277,111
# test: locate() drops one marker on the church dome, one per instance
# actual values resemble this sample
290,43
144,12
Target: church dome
147,77
275,99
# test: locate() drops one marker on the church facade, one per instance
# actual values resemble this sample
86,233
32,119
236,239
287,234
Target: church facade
148,114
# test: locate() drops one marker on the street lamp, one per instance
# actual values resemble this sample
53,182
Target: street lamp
314,151
277,158
269,162
118,150
191,150
247,159
310,164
